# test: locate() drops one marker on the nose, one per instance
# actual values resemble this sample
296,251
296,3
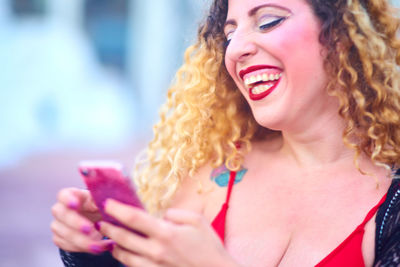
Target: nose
241,47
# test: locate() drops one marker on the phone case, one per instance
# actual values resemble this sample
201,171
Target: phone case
106,180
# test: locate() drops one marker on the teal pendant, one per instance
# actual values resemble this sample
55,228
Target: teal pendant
221,176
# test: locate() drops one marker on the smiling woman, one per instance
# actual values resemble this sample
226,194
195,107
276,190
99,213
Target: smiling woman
286,38
280,137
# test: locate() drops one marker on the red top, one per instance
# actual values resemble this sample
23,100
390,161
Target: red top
348,253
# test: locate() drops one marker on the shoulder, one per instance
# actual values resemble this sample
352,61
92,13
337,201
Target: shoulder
387,239
191,191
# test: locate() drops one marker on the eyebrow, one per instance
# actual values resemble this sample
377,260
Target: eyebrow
254,10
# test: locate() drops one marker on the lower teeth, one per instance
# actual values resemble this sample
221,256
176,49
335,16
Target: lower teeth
261,89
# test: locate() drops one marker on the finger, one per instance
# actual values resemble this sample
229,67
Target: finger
130,259
127,239
134,218
65,245
72,219
88,204
73,241
75,237
75,198
69,233
189,220
180,216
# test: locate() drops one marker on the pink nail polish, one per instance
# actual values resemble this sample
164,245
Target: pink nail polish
104,203
110,246
86,229
73,205
97,226
96,249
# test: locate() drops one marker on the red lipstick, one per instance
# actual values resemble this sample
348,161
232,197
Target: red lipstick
263,94
256,67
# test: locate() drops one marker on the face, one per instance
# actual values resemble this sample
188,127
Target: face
274,56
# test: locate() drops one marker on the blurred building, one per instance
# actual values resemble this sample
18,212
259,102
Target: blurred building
79,72
80,79
21,8
106,24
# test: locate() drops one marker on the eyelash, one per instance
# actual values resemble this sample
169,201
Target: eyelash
227,43
271,24
263,27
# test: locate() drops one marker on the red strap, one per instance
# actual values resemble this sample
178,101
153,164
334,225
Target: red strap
232,177
372,212
219,221
349,252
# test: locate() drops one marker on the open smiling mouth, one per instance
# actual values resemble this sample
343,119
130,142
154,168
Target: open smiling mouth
262,84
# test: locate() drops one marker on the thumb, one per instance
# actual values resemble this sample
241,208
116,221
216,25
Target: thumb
88,203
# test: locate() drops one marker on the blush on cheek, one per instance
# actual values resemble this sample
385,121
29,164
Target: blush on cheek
300,39
302,49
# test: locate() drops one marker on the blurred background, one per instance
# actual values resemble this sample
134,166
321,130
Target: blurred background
79,80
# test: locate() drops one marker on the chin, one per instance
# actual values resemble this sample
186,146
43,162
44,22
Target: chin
271,122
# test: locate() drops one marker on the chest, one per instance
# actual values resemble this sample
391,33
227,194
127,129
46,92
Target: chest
276,226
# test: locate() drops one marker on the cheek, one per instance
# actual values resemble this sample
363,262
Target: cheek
302,41
229,65
231,68
302,53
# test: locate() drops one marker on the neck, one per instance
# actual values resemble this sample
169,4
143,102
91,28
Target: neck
319,143
325,158
321,147
314,141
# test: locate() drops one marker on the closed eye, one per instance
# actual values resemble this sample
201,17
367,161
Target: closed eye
267,23
227,42
270,24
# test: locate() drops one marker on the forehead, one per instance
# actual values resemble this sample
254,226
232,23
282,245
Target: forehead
239,7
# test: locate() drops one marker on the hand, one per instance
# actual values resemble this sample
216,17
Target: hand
182,238
74,227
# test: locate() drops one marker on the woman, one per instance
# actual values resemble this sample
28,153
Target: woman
293,107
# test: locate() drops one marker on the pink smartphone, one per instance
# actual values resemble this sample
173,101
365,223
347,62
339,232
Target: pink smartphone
106,179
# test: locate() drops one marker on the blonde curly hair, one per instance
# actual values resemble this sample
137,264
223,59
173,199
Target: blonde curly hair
205,115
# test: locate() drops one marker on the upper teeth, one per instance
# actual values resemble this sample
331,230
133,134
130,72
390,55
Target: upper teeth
262,77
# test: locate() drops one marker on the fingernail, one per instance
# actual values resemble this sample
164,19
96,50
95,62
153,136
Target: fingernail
110,246
73,205
86,229
96,249
97,226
